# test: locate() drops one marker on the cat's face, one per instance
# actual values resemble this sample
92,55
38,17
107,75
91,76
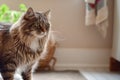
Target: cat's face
35,24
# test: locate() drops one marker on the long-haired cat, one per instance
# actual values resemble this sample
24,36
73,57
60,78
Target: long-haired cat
22,45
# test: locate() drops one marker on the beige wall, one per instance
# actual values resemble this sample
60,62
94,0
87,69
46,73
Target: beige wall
68,20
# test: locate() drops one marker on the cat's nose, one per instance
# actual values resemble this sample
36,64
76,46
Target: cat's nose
43,29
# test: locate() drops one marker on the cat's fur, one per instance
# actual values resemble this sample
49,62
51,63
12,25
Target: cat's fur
22,45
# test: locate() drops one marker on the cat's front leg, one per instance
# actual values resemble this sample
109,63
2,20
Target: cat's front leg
7,72
27,74
7,75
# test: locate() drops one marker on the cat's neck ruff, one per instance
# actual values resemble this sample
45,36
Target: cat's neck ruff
34,45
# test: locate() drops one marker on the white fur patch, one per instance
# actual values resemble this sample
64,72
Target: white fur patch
18,77
21,69
34,45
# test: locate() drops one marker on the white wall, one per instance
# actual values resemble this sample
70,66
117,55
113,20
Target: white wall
116,41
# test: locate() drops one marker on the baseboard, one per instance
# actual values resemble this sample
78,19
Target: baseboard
79,66
75,58
114,65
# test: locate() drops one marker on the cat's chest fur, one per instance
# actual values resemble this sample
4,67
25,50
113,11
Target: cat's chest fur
35,45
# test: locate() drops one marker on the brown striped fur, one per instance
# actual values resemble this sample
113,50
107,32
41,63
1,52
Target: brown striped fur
22,45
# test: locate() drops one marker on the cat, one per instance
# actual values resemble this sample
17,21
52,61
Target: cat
23,43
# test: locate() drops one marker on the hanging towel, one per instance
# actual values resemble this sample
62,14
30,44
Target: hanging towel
97,14
90,12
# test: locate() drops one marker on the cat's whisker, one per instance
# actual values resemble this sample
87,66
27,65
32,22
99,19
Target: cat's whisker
58,36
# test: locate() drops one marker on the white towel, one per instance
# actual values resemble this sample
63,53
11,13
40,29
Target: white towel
90,1
97,14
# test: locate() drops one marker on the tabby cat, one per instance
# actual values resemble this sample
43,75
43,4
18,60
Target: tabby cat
22,45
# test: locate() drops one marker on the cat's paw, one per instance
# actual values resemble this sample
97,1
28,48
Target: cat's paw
1,77
17,77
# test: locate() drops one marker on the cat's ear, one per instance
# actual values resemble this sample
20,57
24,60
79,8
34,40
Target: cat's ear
47,14
29,14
